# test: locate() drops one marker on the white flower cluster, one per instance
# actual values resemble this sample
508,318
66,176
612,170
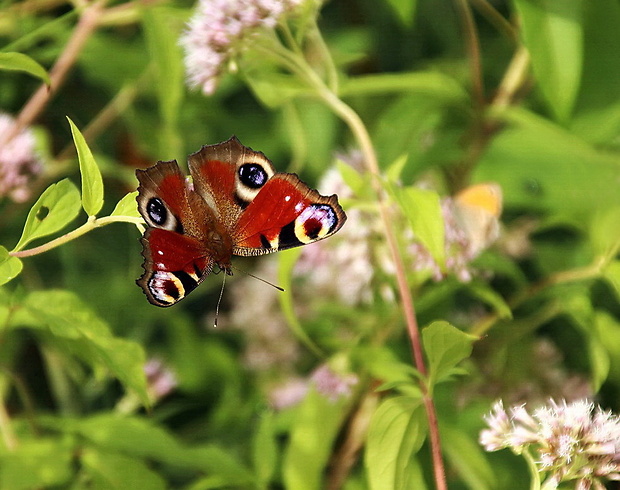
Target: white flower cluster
19,163
221,29
573,442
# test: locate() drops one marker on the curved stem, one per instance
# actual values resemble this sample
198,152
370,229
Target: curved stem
87,24
90,225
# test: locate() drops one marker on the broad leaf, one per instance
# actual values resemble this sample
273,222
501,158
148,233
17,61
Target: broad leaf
113,470
553,34
22,62
92,183
162,43
81,331
405,10
57,207
10,267
127,206
397,431
423,210
445,347
43,463
317,424
265,449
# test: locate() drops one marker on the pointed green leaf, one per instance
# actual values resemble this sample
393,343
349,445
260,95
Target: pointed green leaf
265,449
397,431
445,347
74,325
22,62
113,470
423,210
10,267
92,183
553,34
165,51
317,424
468,458
405,10
57,207
127,206
42,463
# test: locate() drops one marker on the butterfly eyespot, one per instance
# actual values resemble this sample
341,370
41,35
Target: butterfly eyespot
253,175
316,221
157,211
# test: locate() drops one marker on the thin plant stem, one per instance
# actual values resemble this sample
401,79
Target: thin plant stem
36,104
90,225
356,125
472,46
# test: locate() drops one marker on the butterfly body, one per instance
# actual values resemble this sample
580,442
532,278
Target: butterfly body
237,204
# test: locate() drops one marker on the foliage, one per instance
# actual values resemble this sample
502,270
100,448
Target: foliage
395,336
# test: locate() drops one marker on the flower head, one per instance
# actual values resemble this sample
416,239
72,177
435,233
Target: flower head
572,441
19,162
331,384
161,381
222,29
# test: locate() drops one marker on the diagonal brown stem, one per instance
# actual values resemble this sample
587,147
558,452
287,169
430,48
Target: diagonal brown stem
30,112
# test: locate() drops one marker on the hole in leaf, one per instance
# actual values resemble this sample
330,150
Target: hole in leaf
42,213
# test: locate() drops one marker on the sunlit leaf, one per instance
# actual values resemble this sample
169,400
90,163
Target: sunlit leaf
553,34
106,469
41,463
127,206
57,207
316,426
445,347
22,62
92,183
10,267
405,10
397,431
423,210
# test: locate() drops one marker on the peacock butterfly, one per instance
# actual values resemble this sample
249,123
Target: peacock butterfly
235,204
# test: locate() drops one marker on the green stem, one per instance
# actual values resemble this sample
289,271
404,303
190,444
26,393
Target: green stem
90,225
300,67
533,469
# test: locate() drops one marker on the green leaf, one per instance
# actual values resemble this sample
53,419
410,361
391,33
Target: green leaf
265,449
468,458
22,62
316,425
42,463
553,34
164,49
287,259
10,267
117,471
445,347
405,10
82,332
127,206
597,111
92,183
397,431
487,294
58,206
423,210
612,275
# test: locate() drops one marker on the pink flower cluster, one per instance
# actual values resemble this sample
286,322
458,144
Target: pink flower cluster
221,29
573,442
19,163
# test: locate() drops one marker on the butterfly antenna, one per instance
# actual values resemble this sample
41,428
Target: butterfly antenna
259,278
217,308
